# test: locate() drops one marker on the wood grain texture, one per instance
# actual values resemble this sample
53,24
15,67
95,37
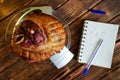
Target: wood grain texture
74,12
8,7
61,74
13,70
75,8
115,74
77,25
54,3
5,58
20,76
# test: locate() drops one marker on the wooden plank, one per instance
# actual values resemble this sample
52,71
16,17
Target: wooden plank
114,75
54,3
61,74
20,76
15,69
8,7
77,25
75,8
75,72
30,70
52,74
9,63
5,59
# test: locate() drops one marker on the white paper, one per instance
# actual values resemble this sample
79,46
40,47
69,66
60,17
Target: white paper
94,32
62,58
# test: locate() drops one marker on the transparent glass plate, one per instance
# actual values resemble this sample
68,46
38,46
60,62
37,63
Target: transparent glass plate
21,14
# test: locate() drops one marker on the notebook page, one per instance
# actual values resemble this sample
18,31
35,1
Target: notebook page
96,31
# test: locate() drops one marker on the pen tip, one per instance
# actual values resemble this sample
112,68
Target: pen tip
85,72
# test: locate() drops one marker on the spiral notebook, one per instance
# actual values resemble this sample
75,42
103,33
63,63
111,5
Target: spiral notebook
92,33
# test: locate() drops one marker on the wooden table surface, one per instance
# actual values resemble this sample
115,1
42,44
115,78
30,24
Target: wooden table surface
74,12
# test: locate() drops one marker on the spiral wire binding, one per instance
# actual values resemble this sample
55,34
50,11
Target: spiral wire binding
83,41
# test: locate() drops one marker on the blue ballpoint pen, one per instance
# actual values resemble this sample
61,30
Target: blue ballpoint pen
97,11
92,58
